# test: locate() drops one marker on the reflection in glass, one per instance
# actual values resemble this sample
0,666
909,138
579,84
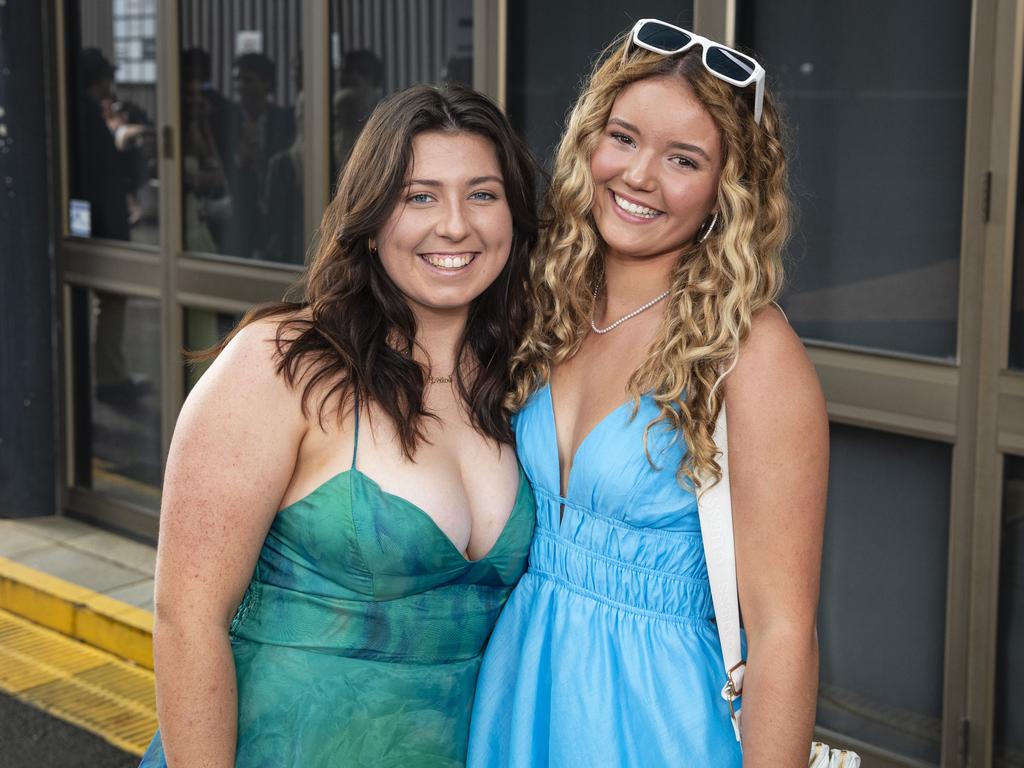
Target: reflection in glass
203,329
876,255
1009,717
116,368
881,619
1017,314
381,46
111,98
544,75
241,105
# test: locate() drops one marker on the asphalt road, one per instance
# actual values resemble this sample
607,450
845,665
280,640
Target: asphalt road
30,738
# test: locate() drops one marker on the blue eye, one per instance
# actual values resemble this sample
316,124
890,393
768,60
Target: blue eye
420,197
483,195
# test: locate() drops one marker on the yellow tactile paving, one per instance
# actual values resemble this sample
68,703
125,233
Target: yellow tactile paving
77,612
85,686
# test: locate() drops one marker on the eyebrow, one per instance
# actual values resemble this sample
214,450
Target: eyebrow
675,144
472,182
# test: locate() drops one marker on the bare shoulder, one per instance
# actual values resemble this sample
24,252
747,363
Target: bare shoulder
255,351
774,373
245,378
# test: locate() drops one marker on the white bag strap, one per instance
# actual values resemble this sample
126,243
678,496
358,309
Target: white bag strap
715,509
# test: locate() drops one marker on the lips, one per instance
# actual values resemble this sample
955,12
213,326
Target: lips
633,208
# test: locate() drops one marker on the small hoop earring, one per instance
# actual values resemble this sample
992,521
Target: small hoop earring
707,231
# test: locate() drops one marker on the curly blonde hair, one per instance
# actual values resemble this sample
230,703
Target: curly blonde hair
717,286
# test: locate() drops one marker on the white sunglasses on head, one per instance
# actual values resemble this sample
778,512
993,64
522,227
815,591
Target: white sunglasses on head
723,62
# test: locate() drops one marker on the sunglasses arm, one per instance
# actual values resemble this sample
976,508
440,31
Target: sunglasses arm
759,98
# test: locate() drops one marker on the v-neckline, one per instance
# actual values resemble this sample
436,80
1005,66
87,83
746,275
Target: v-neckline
565,484
432,523
521,493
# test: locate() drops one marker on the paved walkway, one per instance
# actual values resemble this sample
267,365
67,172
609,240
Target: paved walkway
103,562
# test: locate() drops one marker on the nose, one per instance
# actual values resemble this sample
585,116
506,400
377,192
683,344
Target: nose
639,174
452,223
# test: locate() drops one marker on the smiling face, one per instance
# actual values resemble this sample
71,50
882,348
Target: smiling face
656,169
450,233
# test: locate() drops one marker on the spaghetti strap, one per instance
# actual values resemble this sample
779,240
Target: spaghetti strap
779,307
355,440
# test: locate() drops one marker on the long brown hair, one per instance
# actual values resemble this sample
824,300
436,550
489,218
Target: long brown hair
716,287
357,333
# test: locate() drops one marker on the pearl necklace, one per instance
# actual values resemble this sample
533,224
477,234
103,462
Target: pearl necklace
624,318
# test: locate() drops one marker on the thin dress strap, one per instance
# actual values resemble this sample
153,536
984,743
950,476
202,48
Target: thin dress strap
355,441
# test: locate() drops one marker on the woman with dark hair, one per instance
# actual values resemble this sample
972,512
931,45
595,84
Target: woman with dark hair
343,514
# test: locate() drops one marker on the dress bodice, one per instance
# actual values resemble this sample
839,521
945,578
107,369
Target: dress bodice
626,529
365,573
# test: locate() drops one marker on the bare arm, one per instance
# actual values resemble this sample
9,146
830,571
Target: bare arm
231,458
778,440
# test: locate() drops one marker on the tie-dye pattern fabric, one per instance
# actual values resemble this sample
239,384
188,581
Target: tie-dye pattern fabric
359,639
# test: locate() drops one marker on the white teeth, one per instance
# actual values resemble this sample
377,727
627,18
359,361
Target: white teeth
449,262
633,208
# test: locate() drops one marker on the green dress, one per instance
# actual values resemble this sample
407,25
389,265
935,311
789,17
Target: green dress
359,638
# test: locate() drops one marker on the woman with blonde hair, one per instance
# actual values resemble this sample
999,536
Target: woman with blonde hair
655,282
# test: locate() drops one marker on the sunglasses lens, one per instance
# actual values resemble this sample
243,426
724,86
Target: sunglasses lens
729,63
661,37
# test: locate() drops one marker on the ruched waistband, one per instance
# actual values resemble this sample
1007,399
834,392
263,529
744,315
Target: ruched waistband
408,630
650,570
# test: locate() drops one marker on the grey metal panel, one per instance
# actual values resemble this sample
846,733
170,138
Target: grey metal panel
1011,413
986,260
316,121
902,396
112,266
218,279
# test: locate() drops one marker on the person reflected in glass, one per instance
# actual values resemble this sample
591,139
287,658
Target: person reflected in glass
99,180
257,129
196,61
343,515
655,283
205,186
135,140
282,204
360,84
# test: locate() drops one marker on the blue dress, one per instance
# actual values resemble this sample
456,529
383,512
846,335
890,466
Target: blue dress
606,653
